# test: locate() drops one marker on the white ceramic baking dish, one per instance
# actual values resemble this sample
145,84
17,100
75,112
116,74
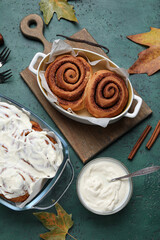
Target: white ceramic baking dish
92,56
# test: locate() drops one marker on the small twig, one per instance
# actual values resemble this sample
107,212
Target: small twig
84,41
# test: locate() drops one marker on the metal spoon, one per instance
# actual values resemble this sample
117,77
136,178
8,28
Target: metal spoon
143,171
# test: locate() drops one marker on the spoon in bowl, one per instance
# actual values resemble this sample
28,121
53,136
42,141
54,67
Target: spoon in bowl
141,172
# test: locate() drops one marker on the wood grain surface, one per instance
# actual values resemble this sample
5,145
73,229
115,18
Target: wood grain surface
86,140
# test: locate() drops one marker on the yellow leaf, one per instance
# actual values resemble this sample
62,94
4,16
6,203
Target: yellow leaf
148,39
57,224
61,7
149,59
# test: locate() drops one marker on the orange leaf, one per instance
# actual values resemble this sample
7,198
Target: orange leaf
57,224
148,39
148,61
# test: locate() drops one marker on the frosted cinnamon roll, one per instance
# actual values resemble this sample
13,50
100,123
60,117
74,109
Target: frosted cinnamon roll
13,183
67,78
106,94
28,154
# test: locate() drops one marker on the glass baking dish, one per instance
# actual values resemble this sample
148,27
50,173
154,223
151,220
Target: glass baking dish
55,187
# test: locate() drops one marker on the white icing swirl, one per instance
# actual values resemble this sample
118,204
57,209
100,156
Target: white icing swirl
96,189
26,155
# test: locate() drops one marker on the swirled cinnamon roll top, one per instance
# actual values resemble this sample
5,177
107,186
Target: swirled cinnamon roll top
106,94
67,78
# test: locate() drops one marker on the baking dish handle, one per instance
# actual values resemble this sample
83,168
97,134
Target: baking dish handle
136,109
34,60
68,162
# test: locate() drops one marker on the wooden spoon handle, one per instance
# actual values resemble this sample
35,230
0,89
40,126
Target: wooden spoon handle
35,33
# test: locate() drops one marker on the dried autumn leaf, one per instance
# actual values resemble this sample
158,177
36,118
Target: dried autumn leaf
58,225
148,61
61,7
148,39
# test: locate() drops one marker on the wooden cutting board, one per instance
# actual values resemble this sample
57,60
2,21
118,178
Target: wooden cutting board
86,140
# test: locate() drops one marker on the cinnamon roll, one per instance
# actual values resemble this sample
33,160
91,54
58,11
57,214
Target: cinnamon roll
67,78
28,154
13,183
106,94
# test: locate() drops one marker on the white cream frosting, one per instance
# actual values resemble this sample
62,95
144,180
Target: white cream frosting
96,189
26,155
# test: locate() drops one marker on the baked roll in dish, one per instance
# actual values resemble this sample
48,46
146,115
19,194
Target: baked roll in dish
106,94
28,154
67,78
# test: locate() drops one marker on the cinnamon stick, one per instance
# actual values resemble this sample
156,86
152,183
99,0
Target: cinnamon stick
153,136
139,142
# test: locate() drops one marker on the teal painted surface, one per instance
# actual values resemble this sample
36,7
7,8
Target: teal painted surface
109,22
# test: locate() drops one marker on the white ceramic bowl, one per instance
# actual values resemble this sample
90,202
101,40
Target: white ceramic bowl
92,56
98,192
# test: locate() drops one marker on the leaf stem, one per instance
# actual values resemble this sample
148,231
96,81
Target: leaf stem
72,236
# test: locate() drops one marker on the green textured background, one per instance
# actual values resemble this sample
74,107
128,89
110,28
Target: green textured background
109,22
